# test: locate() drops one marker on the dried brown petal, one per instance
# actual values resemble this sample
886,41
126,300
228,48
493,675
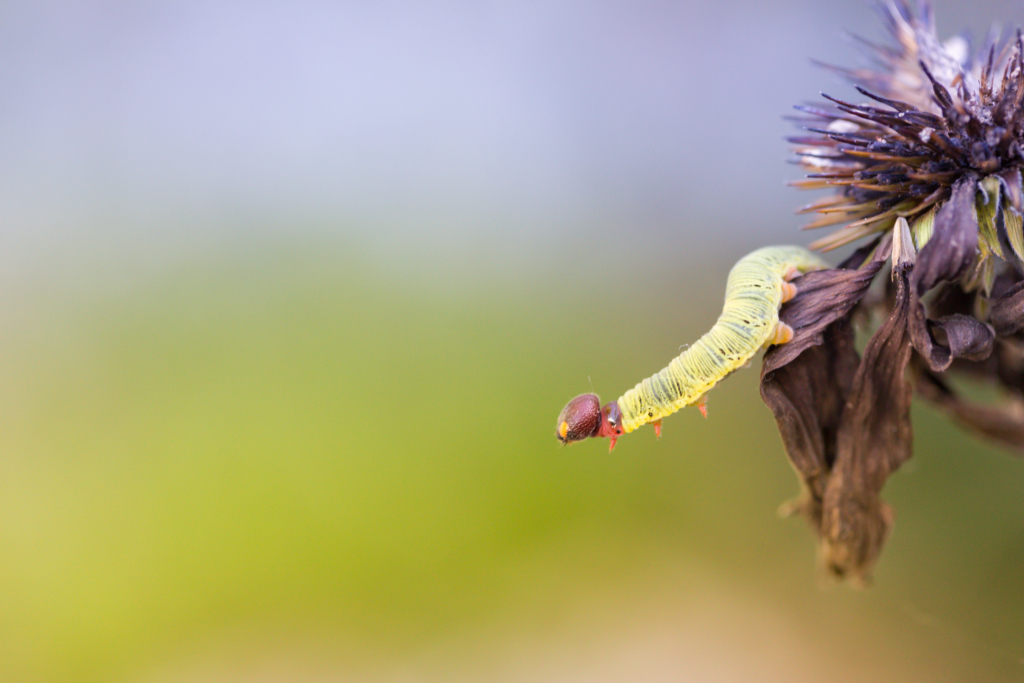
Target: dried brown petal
874,438
807,396
954,240
845,423
823,297
1007,315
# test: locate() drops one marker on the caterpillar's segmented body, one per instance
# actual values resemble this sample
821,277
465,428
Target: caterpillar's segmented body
753,295
757,287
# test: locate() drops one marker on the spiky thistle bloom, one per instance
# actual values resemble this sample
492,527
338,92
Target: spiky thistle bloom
943,118
928,173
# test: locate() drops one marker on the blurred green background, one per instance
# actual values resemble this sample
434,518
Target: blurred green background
294,293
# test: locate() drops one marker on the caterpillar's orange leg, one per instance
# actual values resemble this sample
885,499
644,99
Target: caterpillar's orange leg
611,442
791,273
783,334
788,291
657,428
702,405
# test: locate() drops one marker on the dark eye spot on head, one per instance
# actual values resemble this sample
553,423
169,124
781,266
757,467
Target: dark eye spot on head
613,416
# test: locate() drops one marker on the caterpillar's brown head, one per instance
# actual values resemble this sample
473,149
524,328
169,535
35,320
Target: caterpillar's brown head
583,417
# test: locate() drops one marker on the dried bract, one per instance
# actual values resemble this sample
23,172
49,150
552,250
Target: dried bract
928,168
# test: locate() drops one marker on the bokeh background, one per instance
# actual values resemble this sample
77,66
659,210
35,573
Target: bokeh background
293,292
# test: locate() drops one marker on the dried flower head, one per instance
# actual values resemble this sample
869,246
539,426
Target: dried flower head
929,170
935,118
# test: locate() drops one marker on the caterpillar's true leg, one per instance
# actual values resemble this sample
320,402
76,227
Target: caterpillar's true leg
657,428
783,333
702,405
791,273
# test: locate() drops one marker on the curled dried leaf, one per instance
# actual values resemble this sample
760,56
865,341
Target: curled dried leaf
965,337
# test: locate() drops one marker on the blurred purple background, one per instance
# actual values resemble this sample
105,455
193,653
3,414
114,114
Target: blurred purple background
480,133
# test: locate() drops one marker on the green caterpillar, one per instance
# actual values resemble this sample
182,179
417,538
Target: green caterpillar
758,285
